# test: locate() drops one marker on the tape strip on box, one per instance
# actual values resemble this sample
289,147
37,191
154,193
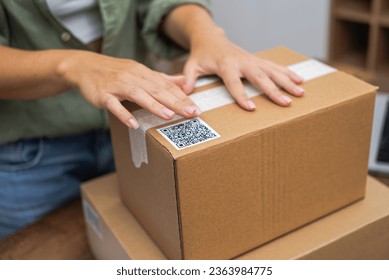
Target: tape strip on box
208,100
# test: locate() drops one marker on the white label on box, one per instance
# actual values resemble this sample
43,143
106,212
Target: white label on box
92,218
211,99
188,133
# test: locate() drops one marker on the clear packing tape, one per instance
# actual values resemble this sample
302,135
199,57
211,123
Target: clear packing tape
208,100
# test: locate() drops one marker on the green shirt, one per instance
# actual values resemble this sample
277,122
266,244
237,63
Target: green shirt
130,30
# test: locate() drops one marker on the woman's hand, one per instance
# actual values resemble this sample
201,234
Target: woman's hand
106,81
211,52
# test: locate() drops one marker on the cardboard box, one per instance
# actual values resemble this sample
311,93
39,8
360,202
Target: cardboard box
270,171
360,231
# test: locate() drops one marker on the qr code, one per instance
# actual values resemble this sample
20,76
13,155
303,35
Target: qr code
188,133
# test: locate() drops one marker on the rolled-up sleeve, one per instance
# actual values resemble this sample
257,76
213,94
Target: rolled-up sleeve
153,14
4,32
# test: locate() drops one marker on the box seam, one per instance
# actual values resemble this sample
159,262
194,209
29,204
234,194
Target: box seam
178,210
177,193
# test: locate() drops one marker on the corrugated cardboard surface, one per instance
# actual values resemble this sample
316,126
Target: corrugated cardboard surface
114,219
238,197
271,170
359,231
149,191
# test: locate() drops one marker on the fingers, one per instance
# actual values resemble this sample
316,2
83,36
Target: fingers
281,76
170,95
290,74
263,74
293,76
286,83
259,79
179,80
162,101
191,74
146,101
159,97
235,86
123,79
117,109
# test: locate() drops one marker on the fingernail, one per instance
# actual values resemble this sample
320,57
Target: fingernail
250,104
301,79
168,113
190,109
298,90
286,99
134,124
198,111
187,88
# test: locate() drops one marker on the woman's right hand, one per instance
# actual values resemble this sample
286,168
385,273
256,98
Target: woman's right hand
106,81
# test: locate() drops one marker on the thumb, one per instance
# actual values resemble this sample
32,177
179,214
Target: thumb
179,80
191,74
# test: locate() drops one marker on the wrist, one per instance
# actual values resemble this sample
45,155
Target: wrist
67,65
189,24
206,35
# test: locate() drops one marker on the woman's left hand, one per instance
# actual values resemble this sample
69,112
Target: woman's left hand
212,53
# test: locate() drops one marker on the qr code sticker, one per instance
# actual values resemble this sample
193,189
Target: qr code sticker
188,133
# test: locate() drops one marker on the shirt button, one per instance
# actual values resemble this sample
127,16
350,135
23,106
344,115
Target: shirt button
65,36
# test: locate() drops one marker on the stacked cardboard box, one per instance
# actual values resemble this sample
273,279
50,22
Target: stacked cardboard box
219,186
360,231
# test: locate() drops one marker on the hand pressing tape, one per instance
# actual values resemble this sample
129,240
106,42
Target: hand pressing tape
208,100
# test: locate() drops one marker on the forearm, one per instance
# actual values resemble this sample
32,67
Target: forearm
31,74
188,24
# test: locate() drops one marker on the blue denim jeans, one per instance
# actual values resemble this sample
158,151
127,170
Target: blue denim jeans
39,175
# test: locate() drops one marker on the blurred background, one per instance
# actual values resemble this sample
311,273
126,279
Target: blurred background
301,25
